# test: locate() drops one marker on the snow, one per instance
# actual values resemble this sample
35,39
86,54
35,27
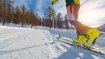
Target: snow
41,43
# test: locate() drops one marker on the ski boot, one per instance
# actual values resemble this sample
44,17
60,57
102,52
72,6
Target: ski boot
89,38
85,35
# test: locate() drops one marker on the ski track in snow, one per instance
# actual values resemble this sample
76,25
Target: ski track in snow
17,43
14,44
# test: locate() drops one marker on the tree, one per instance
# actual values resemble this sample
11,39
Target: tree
58,21
7,4
50,17
66,21
4,8
17,17
9,8
43,21
23,13
1,10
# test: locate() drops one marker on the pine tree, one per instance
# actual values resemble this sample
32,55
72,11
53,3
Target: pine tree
1,10
50,17
17,16
23,13
58,21
66,21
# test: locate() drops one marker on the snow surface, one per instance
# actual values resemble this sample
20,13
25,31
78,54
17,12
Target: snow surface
41,43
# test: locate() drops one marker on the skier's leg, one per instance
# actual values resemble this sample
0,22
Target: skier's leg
82,30
70,16
79,27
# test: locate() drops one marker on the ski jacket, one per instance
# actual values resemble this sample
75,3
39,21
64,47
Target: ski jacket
68,2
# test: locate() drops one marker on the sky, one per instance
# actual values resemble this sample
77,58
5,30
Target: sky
92,12
39,6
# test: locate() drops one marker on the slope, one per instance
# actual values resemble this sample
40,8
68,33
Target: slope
40,43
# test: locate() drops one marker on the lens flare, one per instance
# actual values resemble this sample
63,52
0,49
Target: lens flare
92,12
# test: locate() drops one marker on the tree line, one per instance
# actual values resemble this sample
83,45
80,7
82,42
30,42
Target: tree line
20,15
17,15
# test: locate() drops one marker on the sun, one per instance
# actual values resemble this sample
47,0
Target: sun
89,17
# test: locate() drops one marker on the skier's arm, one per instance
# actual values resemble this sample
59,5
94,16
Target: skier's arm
54,2
76,8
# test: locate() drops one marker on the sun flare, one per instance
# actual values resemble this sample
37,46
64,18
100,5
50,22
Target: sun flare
89,18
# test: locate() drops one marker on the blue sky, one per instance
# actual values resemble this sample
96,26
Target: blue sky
39,6
92,12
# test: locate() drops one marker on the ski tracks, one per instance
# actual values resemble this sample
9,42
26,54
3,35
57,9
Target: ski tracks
23,45
10,39
55,48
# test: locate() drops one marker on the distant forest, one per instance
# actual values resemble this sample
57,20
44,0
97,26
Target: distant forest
20,15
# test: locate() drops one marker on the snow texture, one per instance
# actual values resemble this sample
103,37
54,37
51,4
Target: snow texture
41,43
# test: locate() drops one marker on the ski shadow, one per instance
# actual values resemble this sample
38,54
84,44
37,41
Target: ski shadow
79,53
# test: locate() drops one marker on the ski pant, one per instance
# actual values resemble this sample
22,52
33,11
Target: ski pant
81,28
70,13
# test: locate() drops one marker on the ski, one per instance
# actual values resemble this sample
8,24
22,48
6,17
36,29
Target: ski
70,43
93,49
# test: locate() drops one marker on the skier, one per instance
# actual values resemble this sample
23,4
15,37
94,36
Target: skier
85,34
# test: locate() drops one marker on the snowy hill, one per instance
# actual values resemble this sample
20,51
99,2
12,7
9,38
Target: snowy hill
41,43
102,28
